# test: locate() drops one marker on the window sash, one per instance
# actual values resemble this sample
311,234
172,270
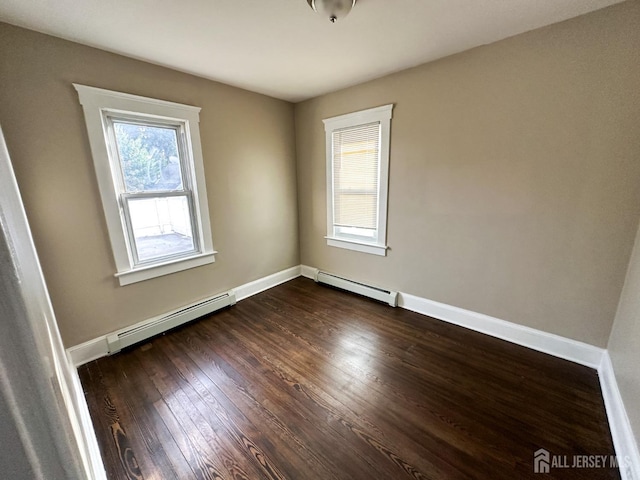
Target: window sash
126,198
117,167
115,160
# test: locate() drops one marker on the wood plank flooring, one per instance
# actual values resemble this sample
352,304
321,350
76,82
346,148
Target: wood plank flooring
307,382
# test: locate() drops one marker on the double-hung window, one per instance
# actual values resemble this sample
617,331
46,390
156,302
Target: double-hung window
357,146
148,161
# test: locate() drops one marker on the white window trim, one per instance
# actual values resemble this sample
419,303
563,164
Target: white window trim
382,114
96,101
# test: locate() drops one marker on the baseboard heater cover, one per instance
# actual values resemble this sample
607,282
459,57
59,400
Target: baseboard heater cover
149,328
370,291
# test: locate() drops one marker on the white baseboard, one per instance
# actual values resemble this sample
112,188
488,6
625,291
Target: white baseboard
555,345
88,351
92,460
566,348
265,283
308,272
539,340
98,347
621,432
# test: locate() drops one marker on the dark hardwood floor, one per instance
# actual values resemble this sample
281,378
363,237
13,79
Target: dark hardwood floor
306,382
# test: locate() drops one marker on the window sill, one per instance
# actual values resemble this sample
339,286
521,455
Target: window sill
145,273
363,247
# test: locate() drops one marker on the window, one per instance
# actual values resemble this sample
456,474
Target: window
148,161
357,179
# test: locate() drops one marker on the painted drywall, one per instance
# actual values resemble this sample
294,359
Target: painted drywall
249,159
514,176
623,344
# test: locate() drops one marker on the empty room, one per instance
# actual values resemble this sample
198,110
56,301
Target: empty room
320,239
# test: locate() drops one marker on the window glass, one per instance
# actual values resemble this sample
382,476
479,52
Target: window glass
149,157
356,159
161,226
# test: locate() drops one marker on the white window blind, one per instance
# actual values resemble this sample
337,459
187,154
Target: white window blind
356,176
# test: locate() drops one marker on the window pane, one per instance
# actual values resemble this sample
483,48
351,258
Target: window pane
356,209
356,159
149,157
161,226
355,231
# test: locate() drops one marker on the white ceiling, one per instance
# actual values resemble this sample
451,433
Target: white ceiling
283,48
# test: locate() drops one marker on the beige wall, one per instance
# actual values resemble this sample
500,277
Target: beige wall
514,191
514,178
623,344
249,154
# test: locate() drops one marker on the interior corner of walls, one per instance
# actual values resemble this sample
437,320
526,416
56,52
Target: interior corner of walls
308,272
265,283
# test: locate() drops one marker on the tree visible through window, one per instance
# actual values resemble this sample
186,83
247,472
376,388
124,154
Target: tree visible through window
149,157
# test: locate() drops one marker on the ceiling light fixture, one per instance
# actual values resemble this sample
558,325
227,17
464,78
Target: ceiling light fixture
333,9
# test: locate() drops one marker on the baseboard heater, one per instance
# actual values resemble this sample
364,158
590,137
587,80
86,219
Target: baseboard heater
370,291
149,328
